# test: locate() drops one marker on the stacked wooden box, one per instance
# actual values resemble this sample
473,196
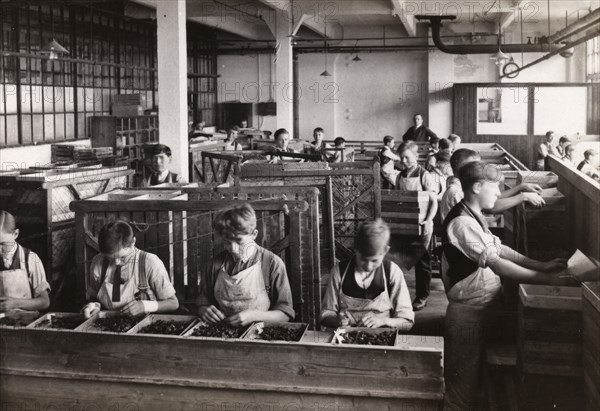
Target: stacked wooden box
549,345
128,105
404,210
591,344
39,199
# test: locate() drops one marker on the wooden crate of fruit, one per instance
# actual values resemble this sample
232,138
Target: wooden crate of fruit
17,318
549,331
218,331
404,210
366,336
164,324
59,321
276,331
591,344
109,322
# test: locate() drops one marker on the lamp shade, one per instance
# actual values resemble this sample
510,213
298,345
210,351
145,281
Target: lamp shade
356,58
325,74
500,58
54,49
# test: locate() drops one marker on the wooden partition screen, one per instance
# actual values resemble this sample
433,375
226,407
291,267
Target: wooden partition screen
181,234
582,196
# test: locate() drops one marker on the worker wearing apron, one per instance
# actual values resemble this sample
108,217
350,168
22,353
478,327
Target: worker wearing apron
127,279
387,157
246,282
473,261
416,178
23,284
368,290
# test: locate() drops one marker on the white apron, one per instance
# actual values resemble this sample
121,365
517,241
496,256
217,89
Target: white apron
242,291
357,308
14,282
409,183
128,290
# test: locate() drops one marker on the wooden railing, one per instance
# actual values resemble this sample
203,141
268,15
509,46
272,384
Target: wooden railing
583,207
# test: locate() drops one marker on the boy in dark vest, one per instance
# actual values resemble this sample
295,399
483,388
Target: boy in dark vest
368,290
161,158
473,262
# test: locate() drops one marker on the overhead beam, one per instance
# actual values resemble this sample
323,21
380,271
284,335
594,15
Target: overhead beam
310,19
405,11
510,17
250,31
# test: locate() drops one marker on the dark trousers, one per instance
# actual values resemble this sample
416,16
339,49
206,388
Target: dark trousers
423,275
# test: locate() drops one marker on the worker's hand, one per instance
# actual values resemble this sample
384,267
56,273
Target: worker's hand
556,265
371,320
427,227
530,188
90,309
7,304
210,314
343,320
534,199
242,319
134,309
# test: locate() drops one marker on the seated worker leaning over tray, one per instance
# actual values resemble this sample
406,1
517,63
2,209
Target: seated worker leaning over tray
244,283
368,290
123,277
23,284
473,263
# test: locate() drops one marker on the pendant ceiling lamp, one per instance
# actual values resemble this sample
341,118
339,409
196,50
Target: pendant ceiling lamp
325,73
356,58
53,48
500,57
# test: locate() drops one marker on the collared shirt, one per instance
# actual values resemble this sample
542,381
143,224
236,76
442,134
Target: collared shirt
156,274
418,134
452,196
36,274
397,289
586,168
278,286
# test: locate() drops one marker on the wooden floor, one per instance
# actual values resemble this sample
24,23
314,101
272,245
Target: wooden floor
430,320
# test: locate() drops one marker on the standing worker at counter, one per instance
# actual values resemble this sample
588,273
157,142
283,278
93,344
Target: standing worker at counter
123,277
473,262
368,290
161,159
244,283
23,284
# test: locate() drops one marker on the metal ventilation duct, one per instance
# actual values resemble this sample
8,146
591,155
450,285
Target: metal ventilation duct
436,23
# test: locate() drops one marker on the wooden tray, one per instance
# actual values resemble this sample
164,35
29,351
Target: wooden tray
40,322
188,333
90,324
252,333
23,318
190,320
372,331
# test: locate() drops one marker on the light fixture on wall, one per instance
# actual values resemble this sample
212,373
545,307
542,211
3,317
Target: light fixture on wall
325,73
500,57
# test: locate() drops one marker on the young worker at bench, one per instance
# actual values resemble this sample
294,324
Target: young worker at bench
368,290
473,262
522,193
123,277
22,275
246,282
161,158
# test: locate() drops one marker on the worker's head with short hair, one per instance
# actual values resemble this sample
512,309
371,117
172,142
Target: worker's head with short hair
434,142
318,134
563,141
371,244
549,136
237,228
339,142
408,156
418,120
589,154
232,134
161,157
282,138
445,145
462,156
8,233
116,239
480,182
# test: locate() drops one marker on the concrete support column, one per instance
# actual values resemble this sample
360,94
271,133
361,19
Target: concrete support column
281,27
172,81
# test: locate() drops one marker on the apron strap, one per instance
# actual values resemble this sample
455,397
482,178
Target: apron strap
266,274
105,263
142,276
387,267
26,252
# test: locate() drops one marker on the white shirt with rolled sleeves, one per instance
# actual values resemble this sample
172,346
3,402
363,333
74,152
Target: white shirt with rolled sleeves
483,286
452,196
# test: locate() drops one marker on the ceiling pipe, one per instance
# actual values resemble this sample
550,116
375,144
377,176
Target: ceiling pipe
436,23
590,19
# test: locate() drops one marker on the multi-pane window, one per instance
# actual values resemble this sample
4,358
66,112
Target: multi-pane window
44,100
593,60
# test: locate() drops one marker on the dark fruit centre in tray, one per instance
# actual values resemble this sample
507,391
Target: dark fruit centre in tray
281,334
218,331
67,323
117,324
165,327
364,338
